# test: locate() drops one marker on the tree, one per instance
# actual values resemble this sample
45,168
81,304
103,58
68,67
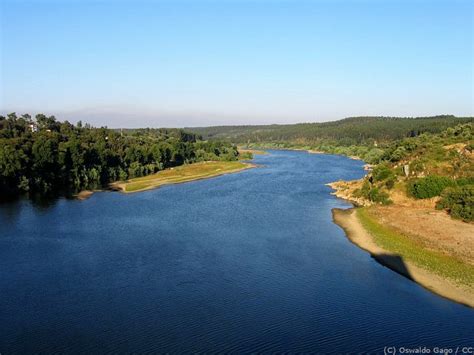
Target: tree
61,156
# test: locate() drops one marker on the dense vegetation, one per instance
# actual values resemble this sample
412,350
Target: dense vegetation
373,193
351,130
364,137
458,201
428,166
429,186
44,155
425,156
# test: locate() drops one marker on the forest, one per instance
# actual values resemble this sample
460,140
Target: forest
348,131
43,155
364,137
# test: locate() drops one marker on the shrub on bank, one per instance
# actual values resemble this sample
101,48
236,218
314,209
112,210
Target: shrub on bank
373,194
382,172
390,183
459,202
465,181
245,155
429,186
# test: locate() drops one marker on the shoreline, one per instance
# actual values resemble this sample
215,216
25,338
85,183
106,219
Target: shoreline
252,151
152,181
121,186
84,194
343,190
358,235
309,151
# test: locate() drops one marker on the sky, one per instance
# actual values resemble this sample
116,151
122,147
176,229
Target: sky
199,63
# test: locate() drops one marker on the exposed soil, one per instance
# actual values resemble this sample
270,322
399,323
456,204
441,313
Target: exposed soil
348,220
436,230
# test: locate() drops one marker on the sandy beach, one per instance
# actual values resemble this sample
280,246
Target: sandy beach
181,174
178,175
348,220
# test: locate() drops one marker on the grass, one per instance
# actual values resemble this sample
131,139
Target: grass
184,173
407,248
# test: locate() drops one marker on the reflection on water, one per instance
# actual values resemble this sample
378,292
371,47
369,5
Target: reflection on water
247,262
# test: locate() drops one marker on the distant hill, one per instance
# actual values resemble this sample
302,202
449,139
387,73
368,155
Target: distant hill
348,131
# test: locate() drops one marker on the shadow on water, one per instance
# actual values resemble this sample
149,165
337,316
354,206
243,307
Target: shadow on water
393,262
44,200
11,206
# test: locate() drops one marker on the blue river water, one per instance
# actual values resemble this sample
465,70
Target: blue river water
246,262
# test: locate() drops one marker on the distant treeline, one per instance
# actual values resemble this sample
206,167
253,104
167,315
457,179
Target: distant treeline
45,155
349,131
364,137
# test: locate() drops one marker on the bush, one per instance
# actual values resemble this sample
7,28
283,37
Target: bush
459,202
398,154
382,172
373,156
373,194
465,181
246,155
429,186
390,183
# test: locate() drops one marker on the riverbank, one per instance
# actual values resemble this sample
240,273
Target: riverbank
440,273
244,151
84,195
345,190
262,149
181,174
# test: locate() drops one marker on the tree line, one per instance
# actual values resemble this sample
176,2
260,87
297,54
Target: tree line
44,155
345,132
364,137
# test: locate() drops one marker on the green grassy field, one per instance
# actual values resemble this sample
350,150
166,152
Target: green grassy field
184,173
409,249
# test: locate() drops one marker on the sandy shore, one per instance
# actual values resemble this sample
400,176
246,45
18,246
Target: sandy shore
253,151
154,181
84,194
348,220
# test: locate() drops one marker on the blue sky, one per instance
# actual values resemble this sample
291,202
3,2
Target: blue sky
189,63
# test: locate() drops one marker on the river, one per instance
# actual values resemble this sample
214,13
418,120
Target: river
246,262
